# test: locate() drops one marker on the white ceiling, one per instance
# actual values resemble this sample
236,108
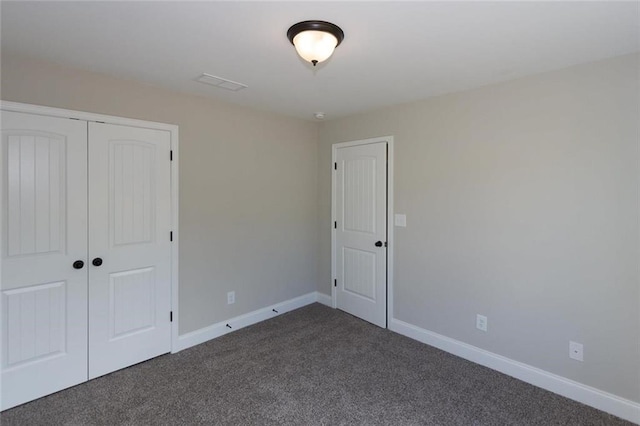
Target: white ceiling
393,52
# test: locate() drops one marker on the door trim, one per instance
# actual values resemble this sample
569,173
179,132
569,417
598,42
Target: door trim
390,242
173,130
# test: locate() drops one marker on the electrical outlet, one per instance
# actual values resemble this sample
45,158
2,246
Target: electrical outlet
481,322
576,351
231,297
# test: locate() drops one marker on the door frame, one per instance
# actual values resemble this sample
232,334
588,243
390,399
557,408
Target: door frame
122,121
390,242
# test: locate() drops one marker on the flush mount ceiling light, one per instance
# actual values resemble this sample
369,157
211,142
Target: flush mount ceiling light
315,41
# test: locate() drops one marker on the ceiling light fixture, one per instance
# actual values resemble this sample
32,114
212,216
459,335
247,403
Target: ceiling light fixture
315,41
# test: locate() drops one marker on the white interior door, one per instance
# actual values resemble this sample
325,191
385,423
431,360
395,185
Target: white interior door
129,228
44,231
361,231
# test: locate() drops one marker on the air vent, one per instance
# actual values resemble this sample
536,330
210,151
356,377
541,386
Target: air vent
220,82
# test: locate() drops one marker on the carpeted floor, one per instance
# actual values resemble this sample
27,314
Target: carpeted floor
312,366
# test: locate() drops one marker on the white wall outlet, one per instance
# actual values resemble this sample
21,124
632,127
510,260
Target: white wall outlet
576,351
401,220
231,297
481,322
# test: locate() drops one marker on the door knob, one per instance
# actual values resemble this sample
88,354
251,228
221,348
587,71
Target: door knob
378,243
97,261
78,264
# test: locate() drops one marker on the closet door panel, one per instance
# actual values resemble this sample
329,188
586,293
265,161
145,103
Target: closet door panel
130,216
44,231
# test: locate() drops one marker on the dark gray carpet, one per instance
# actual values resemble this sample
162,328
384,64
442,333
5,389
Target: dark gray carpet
315,365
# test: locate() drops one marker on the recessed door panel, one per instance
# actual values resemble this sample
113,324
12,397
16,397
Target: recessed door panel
131,302
359,198
35,323
131,191
359,272
35,192
44,223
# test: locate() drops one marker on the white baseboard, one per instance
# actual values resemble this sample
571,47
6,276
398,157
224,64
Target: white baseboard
219,329
324,299
588,395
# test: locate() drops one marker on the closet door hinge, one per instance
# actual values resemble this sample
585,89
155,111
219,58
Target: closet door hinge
171,236
335,225
335,166
335,283
171,155
171,316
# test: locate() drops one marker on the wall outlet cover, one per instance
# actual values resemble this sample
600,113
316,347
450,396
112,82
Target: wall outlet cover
231,297
481,322
576,351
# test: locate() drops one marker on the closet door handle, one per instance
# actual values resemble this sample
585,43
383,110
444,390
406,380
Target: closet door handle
97,261
78,264
378,243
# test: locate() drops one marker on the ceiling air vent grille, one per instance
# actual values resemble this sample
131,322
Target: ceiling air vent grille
220,82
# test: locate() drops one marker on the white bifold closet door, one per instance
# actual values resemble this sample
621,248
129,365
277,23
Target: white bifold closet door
86,256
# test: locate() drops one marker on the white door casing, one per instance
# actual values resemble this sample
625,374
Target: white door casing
44,229
129,230
361,231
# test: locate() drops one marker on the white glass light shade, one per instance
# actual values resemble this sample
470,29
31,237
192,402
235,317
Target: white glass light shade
315,46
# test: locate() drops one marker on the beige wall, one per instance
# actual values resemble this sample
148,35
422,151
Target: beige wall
522,205
521,201
247,186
